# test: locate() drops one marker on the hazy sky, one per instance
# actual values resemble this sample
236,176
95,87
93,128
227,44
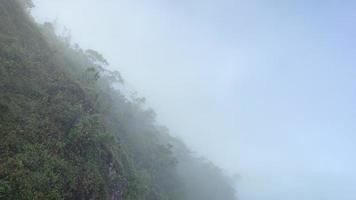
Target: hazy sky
266,89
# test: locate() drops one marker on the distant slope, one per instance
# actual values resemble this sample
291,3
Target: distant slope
68,133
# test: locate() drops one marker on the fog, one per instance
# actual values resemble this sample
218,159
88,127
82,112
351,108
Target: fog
264,89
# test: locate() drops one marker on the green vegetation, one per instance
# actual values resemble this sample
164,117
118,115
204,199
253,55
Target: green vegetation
68,133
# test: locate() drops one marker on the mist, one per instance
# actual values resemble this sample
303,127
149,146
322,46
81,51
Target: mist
265,90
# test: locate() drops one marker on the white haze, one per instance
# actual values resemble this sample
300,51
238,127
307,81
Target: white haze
265,89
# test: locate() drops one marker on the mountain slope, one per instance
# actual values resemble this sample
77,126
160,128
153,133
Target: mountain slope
67,132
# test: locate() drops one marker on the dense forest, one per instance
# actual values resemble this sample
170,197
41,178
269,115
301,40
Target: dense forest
70,130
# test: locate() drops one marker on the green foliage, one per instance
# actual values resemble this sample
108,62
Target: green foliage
67,133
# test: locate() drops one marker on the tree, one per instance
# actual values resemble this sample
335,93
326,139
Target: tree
28,4
96,56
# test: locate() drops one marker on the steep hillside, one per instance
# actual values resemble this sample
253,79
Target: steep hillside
67,132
